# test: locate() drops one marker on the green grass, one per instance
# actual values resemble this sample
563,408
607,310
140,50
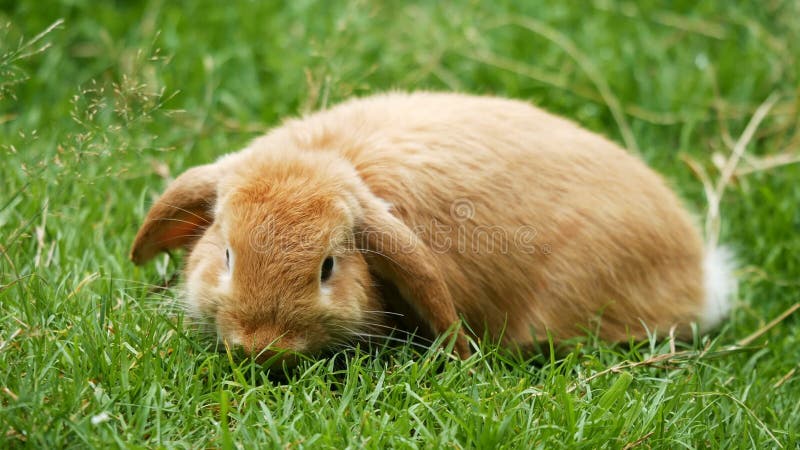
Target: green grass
95,111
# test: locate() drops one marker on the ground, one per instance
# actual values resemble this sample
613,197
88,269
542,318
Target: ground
101,102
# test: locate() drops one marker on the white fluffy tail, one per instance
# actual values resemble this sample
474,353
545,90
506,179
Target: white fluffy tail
720,286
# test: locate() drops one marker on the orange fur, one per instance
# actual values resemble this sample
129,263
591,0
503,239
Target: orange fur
379,182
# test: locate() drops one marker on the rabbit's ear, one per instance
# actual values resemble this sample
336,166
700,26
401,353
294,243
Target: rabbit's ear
179,216
398,255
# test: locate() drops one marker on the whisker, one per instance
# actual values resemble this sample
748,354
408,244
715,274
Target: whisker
392,313
171,219
397,263
188,212
392,339
380,336
156,291
409,334
192,235
131,281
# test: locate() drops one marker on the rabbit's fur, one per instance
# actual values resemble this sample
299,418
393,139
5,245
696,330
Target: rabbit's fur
489,209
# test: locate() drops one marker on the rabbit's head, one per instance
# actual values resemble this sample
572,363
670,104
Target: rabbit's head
284,251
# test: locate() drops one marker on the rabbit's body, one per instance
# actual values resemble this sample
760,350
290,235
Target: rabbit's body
532,223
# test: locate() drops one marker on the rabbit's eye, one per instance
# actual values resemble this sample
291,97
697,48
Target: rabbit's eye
327,269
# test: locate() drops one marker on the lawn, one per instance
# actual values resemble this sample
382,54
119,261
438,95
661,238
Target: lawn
102,102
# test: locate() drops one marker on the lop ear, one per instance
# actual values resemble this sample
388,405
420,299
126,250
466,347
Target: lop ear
400,256
178,217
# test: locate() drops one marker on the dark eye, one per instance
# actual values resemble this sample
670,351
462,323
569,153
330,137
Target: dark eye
327,269
227,258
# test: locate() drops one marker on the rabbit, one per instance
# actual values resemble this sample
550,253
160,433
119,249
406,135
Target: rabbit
446,207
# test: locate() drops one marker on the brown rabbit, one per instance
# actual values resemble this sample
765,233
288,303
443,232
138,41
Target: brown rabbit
440,206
